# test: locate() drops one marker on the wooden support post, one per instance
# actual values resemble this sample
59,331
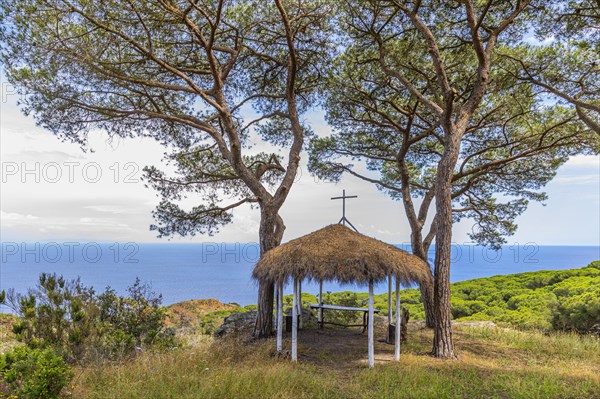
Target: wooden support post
389,299
279,289
321,303
295,322
371,320
398,310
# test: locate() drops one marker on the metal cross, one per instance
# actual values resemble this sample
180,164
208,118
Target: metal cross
344,219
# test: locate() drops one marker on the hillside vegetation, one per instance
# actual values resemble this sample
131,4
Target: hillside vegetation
548,300
564,300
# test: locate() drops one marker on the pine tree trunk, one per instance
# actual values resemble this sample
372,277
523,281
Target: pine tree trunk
264,318
428,304
270,235
426,289
443,346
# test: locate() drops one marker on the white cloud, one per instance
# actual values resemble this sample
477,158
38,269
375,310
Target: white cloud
583,161
117,209
584,179
4,216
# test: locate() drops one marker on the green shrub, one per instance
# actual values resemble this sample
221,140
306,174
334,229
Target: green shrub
576,285
137,319
495,312
525,318
57,313
346,298
580,313
507,294
541,280
32,373
480,316
558,299
539,301
71,318
252,307
411,296
461,308
115,345
567,300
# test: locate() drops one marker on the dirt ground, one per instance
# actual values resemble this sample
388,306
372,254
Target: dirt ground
343,347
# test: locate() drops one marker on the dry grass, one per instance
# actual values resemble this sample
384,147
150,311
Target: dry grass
493,363
337,253
7,338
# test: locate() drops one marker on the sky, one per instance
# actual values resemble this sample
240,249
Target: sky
53,191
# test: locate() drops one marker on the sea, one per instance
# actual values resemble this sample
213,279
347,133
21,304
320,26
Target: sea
181,272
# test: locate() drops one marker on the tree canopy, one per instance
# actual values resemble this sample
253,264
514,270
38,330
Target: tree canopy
222,84
437,100
512,147
200,77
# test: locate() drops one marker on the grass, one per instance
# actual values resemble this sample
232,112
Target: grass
7,338
493,363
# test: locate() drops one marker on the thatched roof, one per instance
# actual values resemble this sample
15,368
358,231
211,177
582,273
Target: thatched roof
337,253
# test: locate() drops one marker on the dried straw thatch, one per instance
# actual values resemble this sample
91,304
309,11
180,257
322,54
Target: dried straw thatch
336,253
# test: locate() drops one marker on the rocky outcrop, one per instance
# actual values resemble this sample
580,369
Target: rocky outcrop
243,322
237,323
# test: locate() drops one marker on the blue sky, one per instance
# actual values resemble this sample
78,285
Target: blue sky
71,201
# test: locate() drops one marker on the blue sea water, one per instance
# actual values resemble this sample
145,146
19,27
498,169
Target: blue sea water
223,271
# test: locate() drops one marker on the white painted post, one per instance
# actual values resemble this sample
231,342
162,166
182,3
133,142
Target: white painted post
371,320
279,316
398,312
295,322
321,302
389,299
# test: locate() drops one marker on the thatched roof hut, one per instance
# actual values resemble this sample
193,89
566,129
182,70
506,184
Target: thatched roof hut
337,253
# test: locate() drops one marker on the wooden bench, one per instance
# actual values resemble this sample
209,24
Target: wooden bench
322,307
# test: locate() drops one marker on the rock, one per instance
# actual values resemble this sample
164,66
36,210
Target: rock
236,323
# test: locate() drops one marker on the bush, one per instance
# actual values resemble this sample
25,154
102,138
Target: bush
34,373
567,300
57,313
576,285
71,318
345,298
410,296
136,320
461,308
580,313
